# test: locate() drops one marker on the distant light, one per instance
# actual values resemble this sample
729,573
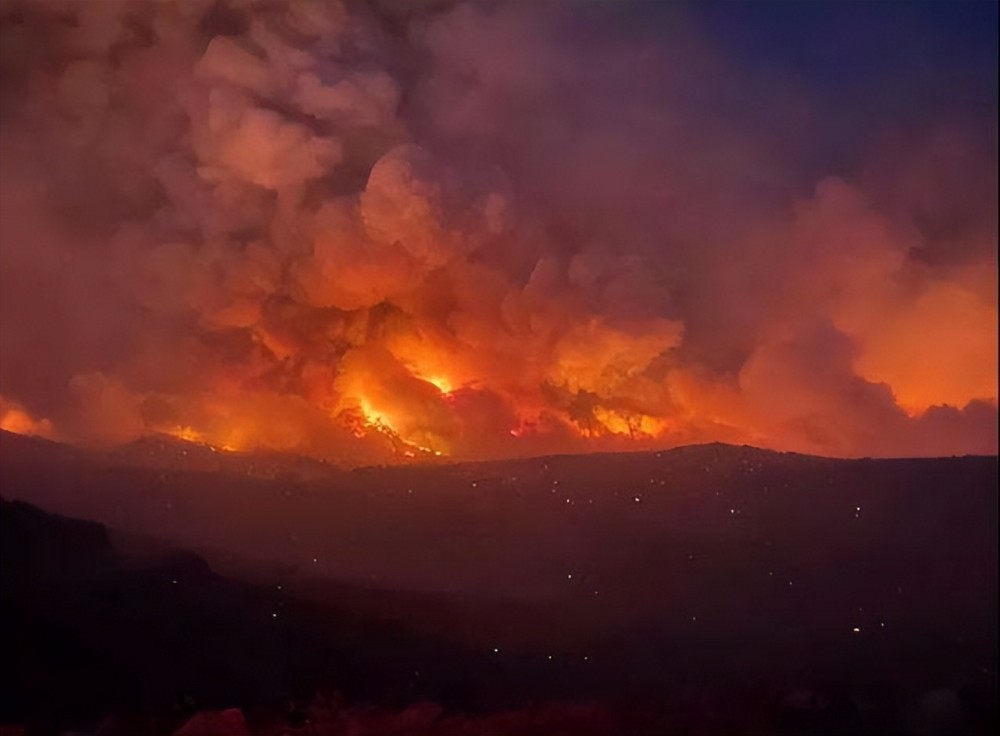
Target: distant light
315,559
637,499
694,618
856,630
496,650
569,576
550,656
274,615
174,582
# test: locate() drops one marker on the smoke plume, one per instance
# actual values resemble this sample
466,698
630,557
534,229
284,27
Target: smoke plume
372,231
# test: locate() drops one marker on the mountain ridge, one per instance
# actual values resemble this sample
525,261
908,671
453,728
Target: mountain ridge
165,451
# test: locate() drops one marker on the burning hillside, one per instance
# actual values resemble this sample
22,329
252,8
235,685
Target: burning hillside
388,231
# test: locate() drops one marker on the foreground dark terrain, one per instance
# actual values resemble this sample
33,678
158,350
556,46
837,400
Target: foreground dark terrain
708,589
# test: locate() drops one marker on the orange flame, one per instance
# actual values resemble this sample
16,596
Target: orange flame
14,418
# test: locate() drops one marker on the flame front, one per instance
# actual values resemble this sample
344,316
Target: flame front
14,418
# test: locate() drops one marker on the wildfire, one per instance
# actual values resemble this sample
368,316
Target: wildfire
14,418
631,424
219,437
188,434
283,256
374,420
441,383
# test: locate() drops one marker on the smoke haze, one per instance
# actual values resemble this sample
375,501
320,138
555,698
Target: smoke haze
372,231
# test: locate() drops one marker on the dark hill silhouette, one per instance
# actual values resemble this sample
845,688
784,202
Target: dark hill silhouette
165,452
86,632
631,578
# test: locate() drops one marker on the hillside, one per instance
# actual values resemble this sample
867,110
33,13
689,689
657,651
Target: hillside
611,577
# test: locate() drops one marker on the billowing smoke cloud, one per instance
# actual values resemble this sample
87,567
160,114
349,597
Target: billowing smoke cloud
371,231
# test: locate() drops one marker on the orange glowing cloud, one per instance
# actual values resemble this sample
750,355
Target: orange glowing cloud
270,236
14,418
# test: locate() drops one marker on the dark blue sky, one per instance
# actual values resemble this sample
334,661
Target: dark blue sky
864,69
894,58
901,56
870,66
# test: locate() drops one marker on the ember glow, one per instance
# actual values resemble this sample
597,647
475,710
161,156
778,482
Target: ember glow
14,418
370,232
